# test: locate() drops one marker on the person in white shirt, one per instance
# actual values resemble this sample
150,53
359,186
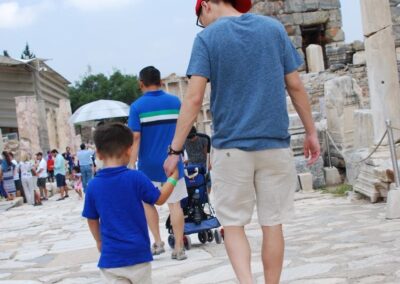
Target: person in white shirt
27,168
17,178
41,173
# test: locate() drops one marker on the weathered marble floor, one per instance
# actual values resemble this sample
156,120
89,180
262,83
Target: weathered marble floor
330,241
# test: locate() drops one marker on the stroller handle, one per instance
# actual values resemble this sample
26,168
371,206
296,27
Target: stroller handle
192,176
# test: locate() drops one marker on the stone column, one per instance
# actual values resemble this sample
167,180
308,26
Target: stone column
52,128
27,109
315,58
382,65
340,102
65,130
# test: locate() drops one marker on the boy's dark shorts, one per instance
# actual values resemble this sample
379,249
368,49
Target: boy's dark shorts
60,180
41,182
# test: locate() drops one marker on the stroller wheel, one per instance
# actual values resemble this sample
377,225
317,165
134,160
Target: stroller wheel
210,236
202,237
171,241
217,236
187,242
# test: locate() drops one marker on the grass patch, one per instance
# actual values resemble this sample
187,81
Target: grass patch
339,191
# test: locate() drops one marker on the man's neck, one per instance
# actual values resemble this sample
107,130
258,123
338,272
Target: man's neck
229,11
151,89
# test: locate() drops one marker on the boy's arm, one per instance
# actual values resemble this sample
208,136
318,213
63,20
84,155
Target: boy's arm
167,189
94,227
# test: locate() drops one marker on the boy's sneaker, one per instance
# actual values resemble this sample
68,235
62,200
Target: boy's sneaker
179,255
158,248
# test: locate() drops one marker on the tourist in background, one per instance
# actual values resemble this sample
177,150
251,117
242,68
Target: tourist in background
27,171
85,161
7,173
60,172
70,159
17,177
50,168
41,173
152,120
77,181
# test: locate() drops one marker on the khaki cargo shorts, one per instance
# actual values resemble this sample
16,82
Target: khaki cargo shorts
134,274
242,180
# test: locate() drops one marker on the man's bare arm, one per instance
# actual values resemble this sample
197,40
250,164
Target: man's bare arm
300,102
135,149
190,109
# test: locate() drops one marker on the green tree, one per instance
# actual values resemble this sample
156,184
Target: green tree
119,87
27,54
5,53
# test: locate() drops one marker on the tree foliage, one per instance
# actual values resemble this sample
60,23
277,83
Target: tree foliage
27,54
119,87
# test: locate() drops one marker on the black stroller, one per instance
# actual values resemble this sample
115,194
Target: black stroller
206,225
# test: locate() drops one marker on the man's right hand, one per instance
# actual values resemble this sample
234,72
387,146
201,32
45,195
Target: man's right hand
170,164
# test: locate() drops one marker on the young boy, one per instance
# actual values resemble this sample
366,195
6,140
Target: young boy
114,208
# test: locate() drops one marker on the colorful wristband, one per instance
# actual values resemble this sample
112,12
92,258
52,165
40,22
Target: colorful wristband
172,181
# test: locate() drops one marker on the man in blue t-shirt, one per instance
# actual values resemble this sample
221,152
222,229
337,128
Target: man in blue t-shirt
152,119
114,199
248,59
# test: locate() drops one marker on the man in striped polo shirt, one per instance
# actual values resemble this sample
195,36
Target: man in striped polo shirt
153,119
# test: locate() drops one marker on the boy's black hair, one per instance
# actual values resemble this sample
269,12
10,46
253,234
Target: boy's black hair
150,76
54,151
76,169
112,139
83,146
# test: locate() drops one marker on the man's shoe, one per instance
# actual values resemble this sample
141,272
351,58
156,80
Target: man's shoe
66,196
158,249
61,198
180,255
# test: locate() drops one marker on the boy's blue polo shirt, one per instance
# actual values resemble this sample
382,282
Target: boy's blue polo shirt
154,115
116,196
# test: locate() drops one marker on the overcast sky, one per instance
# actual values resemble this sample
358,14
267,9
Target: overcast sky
113,34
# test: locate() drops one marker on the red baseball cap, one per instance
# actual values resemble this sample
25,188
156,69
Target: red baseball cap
243,6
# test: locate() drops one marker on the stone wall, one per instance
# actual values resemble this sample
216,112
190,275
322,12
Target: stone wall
65,130
297,14
28,123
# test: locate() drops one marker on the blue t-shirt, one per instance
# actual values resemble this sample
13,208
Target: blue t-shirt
246,59
154,115
85,157
116,196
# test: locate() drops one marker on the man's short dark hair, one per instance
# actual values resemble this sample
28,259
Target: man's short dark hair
112,139
150,76
83,146
54,151
39,154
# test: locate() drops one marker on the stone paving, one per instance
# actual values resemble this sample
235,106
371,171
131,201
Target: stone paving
331,241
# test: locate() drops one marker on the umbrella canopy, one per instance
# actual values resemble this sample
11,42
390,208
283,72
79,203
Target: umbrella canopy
98,110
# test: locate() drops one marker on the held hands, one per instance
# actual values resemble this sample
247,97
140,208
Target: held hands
170,164
312,149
